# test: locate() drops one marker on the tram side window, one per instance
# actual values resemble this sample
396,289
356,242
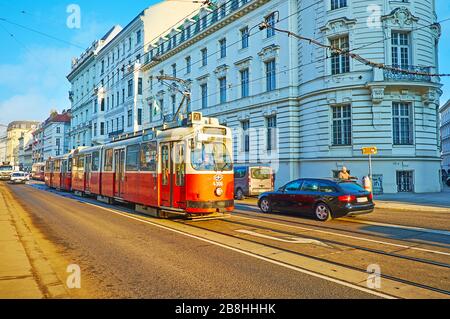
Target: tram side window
165,164
132,158
148,157
81,163
95,161
179,165
108,160
74,164
57,167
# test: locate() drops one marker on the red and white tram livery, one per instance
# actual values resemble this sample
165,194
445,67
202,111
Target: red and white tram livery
183,170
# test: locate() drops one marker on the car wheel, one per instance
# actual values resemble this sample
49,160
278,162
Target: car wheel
265,205
322,212
239,194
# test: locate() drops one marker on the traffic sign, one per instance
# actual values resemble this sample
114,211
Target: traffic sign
370,150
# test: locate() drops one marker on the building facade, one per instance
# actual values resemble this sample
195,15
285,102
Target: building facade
83,95
3,143
300,107
107,81
14,133
445,136
50,139
25,150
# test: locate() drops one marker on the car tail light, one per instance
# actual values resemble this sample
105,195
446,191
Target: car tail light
370,196
347,198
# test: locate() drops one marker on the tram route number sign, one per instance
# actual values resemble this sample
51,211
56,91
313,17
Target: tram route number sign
372,150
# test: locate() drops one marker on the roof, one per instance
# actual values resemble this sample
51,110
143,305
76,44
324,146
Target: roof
65,117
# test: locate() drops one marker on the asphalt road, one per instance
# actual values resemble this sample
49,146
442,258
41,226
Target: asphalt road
125,258
248,255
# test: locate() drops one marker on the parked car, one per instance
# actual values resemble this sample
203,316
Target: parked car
252,181
324,198
19,178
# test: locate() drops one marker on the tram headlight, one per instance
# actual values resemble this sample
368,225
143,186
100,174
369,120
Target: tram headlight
219,191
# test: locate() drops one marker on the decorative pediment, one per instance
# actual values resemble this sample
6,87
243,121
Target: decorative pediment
203,79
221,70
336,26
244,63
401,17
269,53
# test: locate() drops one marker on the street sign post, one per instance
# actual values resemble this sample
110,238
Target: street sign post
370,151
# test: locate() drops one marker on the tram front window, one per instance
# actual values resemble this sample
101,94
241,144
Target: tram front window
211,156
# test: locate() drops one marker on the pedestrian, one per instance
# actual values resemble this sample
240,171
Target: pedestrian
345,175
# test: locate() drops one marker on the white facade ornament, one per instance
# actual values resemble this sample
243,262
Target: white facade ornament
401,17
269,53
244,63
377,94
221,71
338,26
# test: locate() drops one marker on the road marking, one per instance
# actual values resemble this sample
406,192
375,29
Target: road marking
418,229
297,269
292,240
348,236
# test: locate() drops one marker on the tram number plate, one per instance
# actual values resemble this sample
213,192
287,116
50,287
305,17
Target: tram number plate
362,200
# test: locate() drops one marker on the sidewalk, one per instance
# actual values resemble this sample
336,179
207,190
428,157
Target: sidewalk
25,272
436,202
16,273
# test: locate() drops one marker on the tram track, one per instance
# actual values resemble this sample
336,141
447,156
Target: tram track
324,228
382,275
250,222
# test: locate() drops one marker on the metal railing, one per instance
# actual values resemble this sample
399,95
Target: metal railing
391,75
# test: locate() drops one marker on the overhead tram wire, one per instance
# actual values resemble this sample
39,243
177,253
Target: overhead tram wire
206,2
293,68
41,33
198,61
351,55
234,43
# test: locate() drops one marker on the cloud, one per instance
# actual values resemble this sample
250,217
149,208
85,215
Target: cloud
37,82
28,106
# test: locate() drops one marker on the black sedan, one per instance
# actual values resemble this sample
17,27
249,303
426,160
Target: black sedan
325,198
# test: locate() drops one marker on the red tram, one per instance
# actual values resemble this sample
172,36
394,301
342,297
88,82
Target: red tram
58,172
38,171
181,170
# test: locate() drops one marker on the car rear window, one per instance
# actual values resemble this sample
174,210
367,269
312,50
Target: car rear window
261,173
351,187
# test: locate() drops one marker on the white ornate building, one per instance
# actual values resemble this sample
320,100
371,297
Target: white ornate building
298,106
106,80
294,105
83,94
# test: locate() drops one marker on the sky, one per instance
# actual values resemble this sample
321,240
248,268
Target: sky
33,67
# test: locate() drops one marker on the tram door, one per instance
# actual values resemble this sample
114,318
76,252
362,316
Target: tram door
119,170
87,173
166,174
173,172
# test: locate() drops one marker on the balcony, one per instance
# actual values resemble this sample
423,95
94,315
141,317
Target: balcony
115,134
390,75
